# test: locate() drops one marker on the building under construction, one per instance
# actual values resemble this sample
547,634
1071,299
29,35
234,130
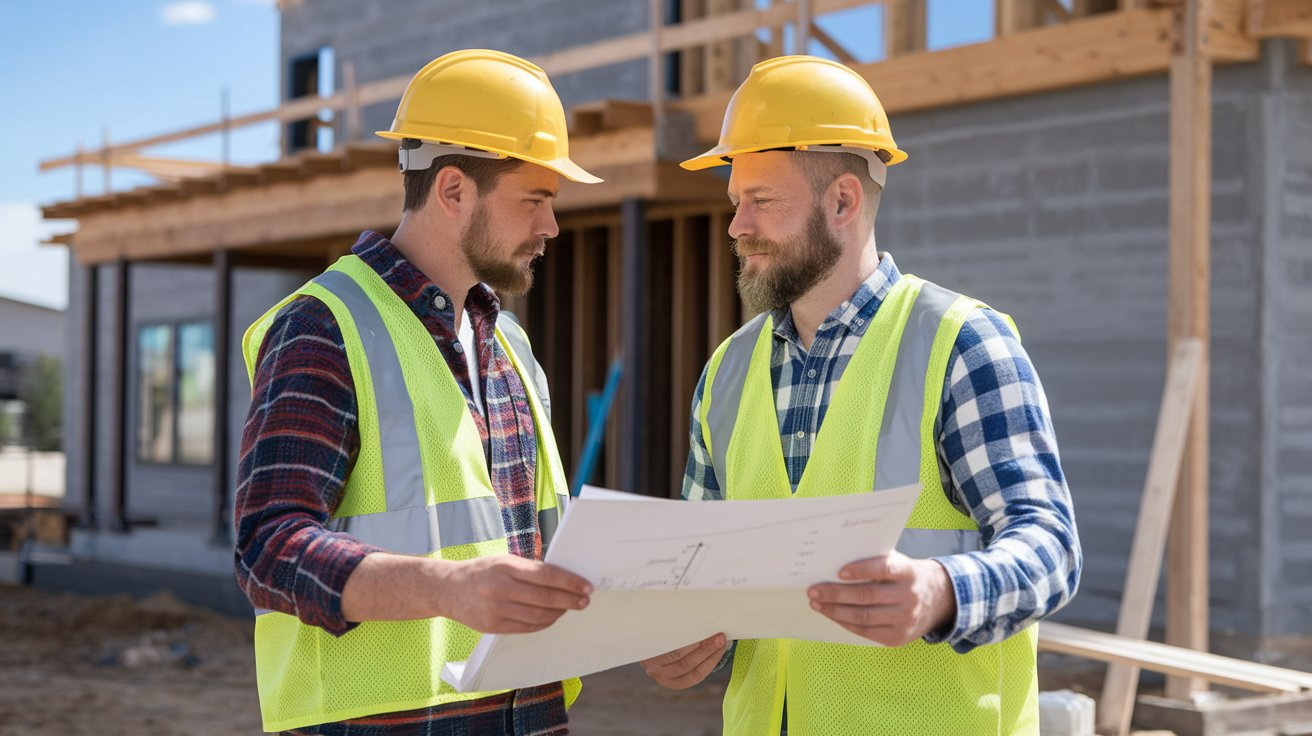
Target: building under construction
1130,180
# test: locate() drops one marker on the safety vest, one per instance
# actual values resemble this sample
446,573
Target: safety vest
420,486
884,407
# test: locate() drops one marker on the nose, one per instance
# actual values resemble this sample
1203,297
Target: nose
548,227
740,225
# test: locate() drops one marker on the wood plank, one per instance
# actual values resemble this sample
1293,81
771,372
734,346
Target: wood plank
1178,400
1227,36
1189,316
1157,657
1013,16
614,346
688,335
1270,18
591,355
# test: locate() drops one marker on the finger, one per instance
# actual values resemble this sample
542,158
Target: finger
533,615
857,594
859,615
550,576
675,656
871,568
694,654
553,599
701,662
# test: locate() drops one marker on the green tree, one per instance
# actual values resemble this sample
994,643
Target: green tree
43,393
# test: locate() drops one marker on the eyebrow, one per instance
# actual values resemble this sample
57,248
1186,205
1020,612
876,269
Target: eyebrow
543,193
754,190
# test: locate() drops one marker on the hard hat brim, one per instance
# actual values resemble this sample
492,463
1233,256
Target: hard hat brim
562,166
720,155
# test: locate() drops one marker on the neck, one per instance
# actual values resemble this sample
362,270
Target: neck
852,269
436,253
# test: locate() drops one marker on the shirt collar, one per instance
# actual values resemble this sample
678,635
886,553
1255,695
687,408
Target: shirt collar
417,290
854,314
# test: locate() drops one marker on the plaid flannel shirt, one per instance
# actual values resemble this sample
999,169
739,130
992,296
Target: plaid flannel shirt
996,447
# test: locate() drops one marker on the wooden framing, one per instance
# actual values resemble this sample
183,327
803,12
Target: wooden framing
1179,399
1182,663
1189,317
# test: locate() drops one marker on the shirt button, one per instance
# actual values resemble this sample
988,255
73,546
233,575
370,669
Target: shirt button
810,373
457,347
801,435
440,302
860,321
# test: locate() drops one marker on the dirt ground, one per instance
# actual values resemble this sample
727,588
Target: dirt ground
119,667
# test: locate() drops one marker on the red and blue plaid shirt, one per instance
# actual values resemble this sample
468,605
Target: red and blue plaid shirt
300,443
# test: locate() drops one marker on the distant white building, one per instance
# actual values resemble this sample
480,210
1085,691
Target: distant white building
27,331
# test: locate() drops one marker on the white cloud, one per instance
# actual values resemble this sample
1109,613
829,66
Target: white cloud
32,272
187,13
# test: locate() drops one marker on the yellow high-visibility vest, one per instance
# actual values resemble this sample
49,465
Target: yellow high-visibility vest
878,433
420,486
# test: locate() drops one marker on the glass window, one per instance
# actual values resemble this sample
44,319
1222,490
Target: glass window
155,394
175,390
195,393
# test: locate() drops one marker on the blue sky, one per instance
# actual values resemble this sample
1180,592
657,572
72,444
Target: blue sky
140,68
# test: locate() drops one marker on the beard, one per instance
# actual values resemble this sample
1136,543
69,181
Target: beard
504,274
797,264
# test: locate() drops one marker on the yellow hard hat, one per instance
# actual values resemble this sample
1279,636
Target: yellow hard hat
488,101
802,102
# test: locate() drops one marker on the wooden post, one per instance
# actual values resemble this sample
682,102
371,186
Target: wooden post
802,27
1189,300
119,444
634,457
222,364
90,360
1178,400
656,74
722,293
687,335
104,157
904,27
354,126
615,344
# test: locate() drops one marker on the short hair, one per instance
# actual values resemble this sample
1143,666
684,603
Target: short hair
484,171
822,168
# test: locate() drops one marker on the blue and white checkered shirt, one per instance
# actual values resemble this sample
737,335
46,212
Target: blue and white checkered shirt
996,447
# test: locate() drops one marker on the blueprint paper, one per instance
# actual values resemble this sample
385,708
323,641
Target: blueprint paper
668,573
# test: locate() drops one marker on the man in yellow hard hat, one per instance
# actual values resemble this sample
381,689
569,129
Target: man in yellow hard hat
398,480
855,377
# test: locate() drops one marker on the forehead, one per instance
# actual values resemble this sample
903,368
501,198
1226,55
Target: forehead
774,170
530,176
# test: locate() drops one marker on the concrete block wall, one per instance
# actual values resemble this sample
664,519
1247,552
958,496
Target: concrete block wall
1286,99
398,37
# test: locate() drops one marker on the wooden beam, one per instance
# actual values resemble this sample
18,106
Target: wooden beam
687,336
591,354
1189,317
1103,647
615,346
1179,397
829,42
1089,50
1270,18
1014,16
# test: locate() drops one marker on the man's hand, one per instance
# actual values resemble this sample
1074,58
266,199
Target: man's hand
892,600
506,594
686,666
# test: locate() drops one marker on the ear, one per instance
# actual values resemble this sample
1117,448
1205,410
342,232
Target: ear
453,192
846,198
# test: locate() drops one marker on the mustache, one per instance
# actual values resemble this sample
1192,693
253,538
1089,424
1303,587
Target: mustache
750,246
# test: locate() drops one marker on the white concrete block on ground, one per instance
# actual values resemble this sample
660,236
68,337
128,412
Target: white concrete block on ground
1065,713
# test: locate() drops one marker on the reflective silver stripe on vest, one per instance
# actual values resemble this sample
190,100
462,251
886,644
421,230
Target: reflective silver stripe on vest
524,354
727,391
414,531
899,437
403,470
262,611
925,543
